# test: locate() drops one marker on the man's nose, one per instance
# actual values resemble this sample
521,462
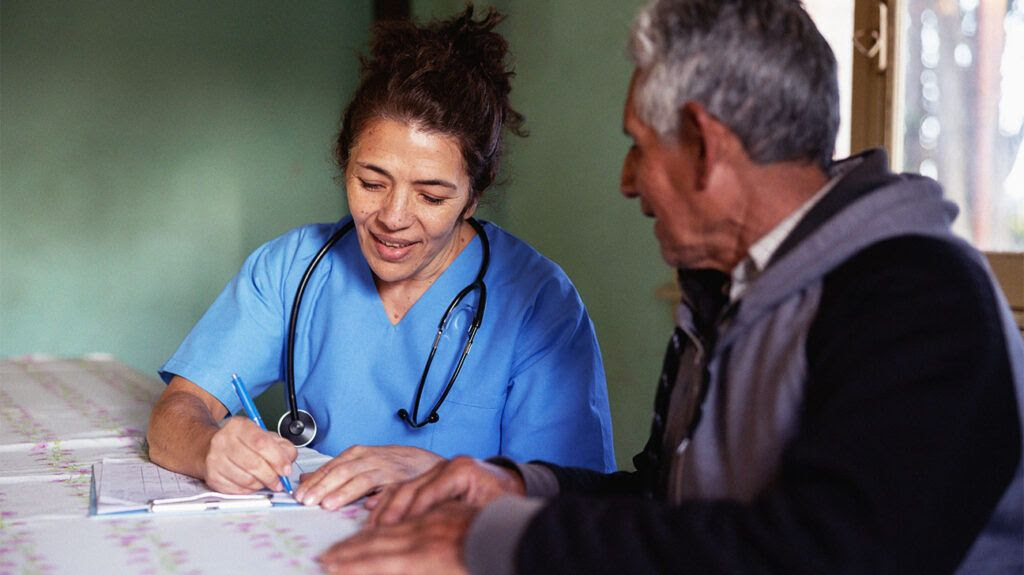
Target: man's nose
627,180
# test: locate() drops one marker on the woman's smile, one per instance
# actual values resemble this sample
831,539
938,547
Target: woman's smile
392,249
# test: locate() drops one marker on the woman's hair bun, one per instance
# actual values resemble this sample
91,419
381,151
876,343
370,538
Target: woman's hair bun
449,76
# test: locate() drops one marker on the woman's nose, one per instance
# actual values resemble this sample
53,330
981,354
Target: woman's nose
394,214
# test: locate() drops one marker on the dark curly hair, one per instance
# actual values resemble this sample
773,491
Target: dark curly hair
448,77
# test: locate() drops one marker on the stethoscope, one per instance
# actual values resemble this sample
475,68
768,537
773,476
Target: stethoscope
299,427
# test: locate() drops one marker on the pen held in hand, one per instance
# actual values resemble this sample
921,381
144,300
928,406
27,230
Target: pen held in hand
250,409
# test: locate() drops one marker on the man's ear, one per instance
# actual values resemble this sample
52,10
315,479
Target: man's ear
700,131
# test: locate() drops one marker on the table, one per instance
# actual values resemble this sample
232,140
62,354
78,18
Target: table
58,416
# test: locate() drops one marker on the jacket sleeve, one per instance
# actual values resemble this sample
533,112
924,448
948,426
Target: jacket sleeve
581,481
908,437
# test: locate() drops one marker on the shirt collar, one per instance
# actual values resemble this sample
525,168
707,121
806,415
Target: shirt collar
761,251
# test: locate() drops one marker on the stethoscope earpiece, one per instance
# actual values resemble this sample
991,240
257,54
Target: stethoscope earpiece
403,414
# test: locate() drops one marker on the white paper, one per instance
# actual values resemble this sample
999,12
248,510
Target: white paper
127,485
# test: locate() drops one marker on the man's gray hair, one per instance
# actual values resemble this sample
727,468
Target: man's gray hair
759,66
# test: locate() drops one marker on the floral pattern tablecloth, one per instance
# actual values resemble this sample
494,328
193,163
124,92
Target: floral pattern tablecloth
57,418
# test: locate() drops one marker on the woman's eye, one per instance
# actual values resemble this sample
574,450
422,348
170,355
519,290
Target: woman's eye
434,201
370,185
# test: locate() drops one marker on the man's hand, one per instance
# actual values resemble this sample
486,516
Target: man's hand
244,458
428,544
362,470
471,481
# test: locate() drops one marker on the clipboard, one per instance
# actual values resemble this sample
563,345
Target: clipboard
131,486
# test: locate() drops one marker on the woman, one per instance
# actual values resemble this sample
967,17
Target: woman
419,144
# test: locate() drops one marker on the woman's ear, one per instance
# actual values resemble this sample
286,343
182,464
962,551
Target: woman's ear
471,207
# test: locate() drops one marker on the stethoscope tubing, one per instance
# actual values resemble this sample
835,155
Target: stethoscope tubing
296,435
293,321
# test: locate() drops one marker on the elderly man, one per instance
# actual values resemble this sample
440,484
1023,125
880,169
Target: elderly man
843,391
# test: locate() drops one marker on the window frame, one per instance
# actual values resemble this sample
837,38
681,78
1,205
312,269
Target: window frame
875,114
875,87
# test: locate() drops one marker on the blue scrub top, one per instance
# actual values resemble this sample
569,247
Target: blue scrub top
532,387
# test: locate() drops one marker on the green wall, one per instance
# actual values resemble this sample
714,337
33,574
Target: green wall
146,148
562,191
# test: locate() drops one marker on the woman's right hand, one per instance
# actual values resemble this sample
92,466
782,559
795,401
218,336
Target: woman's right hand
238,457
243,458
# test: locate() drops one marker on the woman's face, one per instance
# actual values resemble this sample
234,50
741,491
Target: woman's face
409,195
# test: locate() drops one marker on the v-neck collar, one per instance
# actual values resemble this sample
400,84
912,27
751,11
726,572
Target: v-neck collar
459,273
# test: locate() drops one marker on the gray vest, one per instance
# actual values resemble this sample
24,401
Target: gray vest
758,367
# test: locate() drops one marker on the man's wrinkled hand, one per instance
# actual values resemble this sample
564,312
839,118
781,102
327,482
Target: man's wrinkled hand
429,544
362,470
470,481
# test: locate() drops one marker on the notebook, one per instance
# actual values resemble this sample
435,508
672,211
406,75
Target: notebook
135,486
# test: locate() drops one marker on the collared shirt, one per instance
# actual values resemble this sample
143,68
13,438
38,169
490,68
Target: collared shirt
761,252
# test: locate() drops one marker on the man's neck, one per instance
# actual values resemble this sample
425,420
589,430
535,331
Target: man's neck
774,192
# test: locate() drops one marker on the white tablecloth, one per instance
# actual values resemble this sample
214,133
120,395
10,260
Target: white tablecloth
57,418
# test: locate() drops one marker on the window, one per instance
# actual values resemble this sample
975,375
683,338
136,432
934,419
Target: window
943,90
963,106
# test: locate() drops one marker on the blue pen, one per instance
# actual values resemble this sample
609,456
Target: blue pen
250,408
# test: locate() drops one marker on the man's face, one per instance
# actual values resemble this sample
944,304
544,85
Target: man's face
666,175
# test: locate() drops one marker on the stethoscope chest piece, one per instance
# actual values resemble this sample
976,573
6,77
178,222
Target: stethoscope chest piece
299,431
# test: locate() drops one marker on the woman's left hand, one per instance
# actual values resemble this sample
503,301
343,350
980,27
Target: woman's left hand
362,470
